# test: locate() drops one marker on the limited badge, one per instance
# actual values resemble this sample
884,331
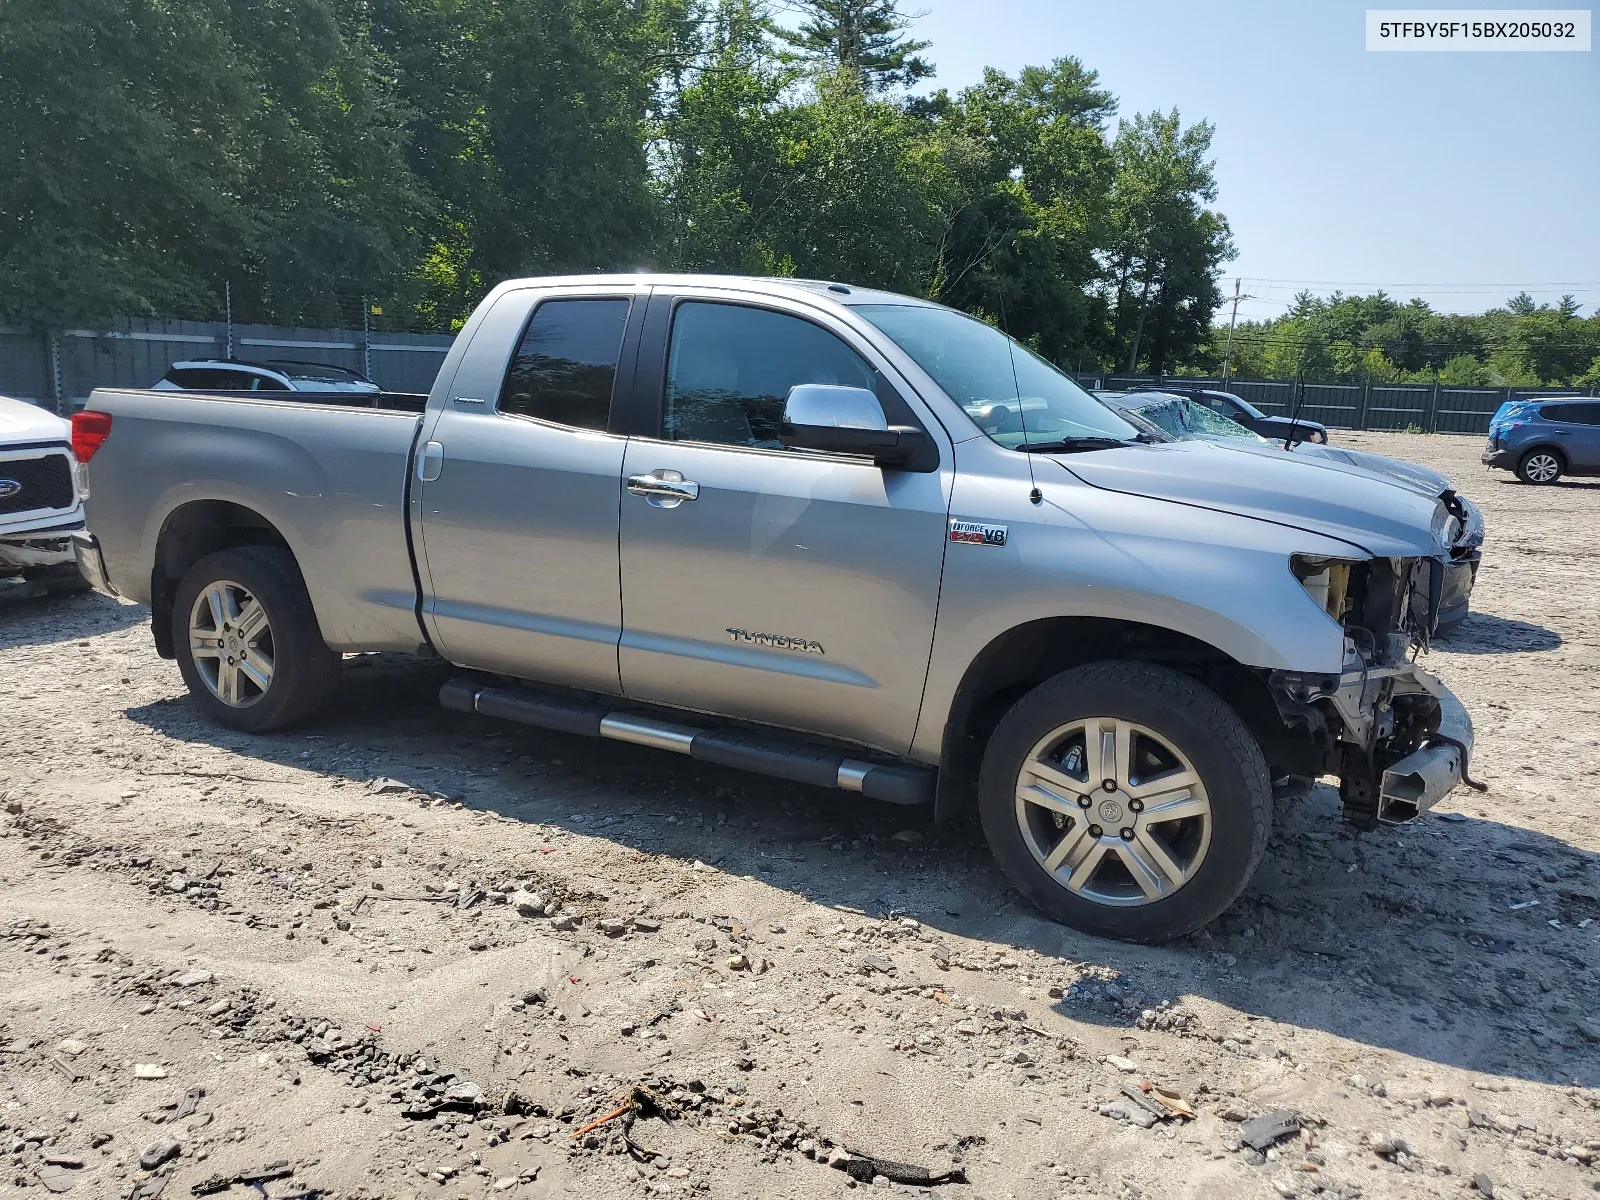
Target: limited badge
977,534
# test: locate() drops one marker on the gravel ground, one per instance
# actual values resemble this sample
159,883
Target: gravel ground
406,952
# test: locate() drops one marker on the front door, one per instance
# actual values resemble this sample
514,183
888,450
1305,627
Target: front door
783,586
518,545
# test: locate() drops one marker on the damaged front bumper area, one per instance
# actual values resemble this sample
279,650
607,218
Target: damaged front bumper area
1422,778
1396,737
38,547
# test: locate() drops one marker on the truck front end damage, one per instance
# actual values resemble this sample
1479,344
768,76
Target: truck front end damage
1395,736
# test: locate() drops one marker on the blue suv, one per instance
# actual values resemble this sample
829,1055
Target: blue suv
1542,440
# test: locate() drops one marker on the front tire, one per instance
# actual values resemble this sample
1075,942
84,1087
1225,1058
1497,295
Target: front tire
1540,466
1126,801
247,640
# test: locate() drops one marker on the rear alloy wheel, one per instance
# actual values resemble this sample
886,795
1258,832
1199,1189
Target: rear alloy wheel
230,638
1539,466
247,640
1126,800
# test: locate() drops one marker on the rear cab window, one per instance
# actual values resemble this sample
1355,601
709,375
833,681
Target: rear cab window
564,370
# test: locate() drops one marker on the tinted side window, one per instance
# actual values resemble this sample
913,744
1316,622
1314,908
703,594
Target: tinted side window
1582,414
566,363
210,379
1557,412
730,368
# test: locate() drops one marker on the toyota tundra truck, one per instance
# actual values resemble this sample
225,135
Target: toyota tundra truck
833,535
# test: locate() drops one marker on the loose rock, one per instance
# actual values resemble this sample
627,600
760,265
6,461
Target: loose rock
158,1152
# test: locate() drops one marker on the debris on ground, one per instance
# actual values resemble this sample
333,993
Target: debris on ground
1261,1132
866,1168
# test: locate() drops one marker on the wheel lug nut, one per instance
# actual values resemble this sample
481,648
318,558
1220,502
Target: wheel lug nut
1095,831
1136,805
1127,835
1110,785
1083,802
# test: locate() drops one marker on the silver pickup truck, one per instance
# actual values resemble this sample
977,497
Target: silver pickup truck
833,535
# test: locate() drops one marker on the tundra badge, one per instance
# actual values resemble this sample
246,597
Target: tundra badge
777,641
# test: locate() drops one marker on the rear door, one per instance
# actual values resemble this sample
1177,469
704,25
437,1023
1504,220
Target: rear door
1581,434
794,588
518,544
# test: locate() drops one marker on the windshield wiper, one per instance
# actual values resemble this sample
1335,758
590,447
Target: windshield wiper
1073,445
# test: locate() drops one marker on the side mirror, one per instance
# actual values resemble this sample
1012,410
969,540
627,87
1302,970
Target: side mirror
845,420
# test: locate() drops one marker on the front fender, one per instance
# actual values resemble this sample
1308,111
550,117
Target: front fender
1220,579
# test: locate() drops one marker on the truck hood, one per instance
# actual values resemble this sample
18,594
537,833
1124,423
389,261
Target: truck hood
1381,515
1433,482
24,422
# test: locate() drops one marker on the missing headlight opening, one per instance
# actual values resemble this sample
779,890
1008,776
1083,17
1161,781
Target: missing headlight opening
1327,581
1386,606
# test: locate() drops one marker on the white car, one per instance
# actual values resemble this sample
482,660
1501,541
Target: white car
40,503
279,375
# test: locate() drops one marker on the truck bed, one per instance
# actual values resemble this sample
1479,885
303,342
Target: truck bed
327,477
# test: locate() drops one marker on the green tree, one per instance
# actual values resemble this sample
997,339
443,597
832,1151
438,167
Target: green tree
1463,370
154,151
722,170
866,39
1026,171
1166,245
530,124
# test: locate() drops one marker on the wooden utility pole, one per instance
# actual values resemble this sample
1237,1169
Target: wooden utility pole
1227,353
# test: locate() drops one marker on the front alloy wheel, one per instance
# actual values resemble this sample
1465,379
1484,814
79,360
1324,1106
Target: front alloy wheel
230,638
1113,811
1126,800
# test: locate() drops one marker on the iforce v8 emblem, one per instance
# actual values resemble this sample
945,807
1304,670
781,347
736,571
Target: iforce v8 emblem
977,534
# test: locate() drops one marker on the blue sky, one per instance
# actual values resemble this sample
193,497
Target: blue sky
1471,173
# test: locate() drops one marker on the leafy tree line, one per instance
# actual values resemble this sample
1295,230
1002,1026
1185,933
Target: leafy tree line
1343,338
417,152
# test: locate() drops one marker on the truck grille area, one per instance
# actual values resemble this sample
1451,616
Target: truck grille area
27,484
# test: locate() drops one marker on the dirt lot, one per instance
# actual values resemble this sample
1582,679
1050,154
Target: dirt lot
220,952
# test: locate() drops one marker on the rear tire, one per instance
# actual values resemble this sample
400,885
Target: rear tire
1540,466
247,640
1100,859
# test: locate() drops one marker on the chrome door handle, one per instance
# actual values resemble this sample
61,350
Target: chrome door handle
664,489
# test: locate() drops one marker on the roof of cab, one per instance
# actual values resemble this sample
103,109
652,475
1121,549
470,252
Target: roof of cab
766,284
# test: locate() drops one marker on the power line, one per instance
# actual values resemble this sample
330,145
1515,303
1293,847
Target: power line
1589,283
